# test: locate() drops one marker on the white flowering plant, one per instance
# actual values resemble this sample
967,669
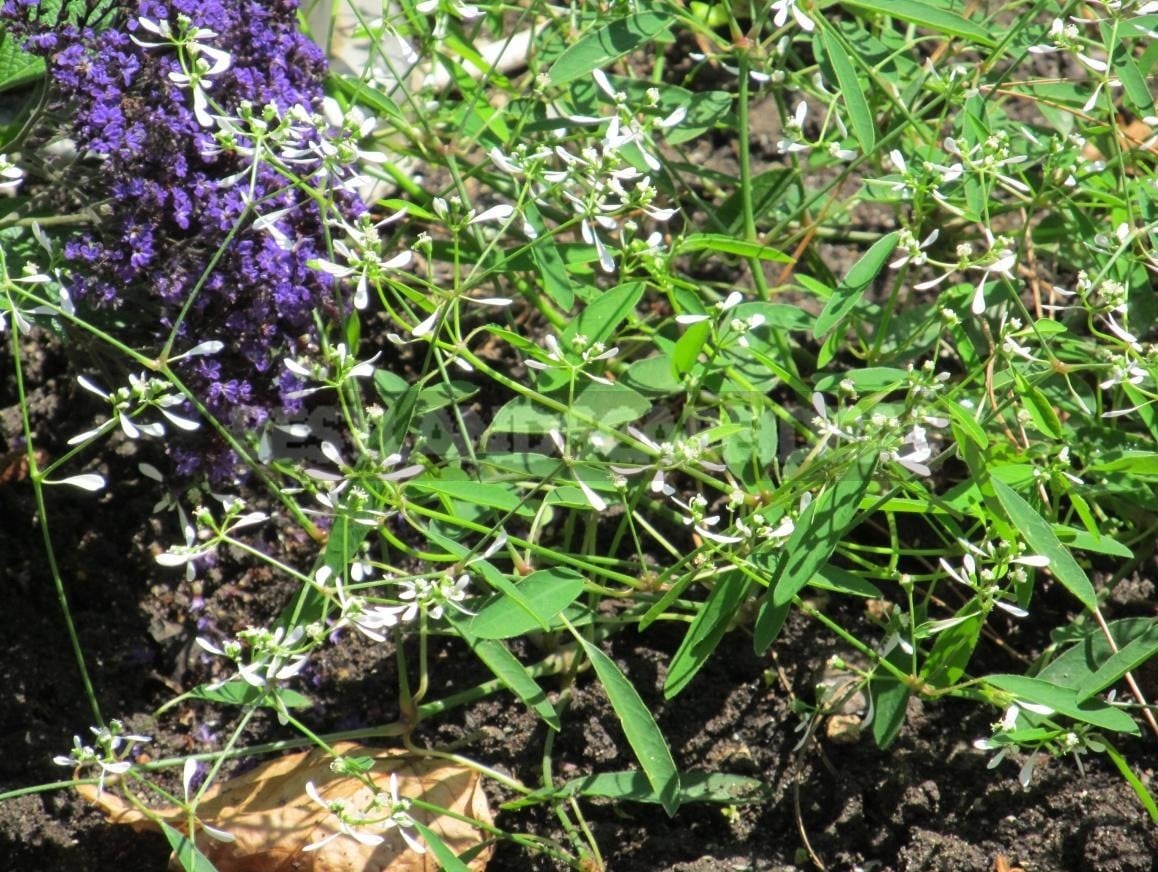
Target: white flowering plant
514,338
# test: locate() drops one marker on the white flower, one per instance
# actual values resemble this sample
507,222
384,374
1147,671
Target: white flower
782,8
347,824
432,597
10,175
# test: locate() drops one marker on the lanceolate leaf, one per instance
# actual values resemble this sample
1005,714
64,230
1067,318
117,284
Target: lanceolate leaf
845,297
1126,660
925,14
1064,701
640,728
185,852
706,630
539,597
600,47
1040,537
818,532
861,116
720,787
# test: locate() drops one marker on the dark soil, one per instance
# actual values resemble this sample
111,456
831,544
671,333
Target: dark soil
927,803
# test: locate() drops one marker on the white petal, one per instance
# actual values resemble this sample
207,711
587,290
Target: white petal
88,481
495,213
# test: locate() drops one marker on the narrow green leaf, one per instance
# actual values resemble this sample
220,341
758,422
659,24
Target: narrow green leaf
724,244
600,47
639,726
540,597
1133,780
965,424
845,297
514,675
705,631
1126,660
549,263
890,703
446,858
492,494
239,692
1087,541
820,529
839,580
861,116
721,787
1040,410
1064,701
1040,537
926,15
507,669
1133,82
870,379
1136,463
687,347
769,622
1090,650
185,852
953,648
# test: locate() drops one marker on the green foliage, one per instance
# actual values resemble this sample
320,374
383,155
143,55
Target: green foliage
903,362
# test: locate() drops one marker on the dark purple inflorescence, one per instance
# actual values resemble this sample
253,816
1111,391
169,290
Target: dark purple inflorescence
178,191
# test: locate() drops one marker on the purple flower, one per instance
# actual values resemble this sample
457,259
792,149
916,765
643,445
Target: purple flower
177,240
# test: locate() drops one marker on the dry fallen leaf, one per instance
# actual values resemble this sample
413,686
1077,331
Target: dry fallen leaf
272,818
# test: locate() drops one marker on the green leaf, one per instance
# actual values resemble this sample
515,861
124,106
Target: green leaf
514,675
706,631
492,494
1133,82
17,67
688,346
552,271
723,244
599,320
721,787
541,596
952,649
239,692
1087,541
848,294
1133,780
871,379
185,851
600,47
861,116
820,529
1136,463
1064,701
1126,660
1077,663
890,701
769,622
653,375
927,15
446,858
610,405
1040,537
839,580
639,726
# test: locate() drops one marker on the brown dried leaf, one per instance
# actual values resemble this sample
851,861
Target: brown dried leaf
272,818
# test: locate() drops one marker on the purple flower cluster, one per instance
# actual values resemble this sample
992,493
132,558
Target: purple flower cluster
177,244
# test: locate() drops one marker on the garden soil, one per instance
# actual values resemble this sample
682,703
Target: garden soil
929,802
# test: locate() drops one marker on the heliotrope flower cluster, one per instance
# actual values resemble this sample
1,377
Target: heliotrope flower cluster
192,119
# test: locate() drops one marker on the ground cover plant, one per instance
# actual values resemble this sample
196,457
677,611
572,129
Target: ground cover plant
453,355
